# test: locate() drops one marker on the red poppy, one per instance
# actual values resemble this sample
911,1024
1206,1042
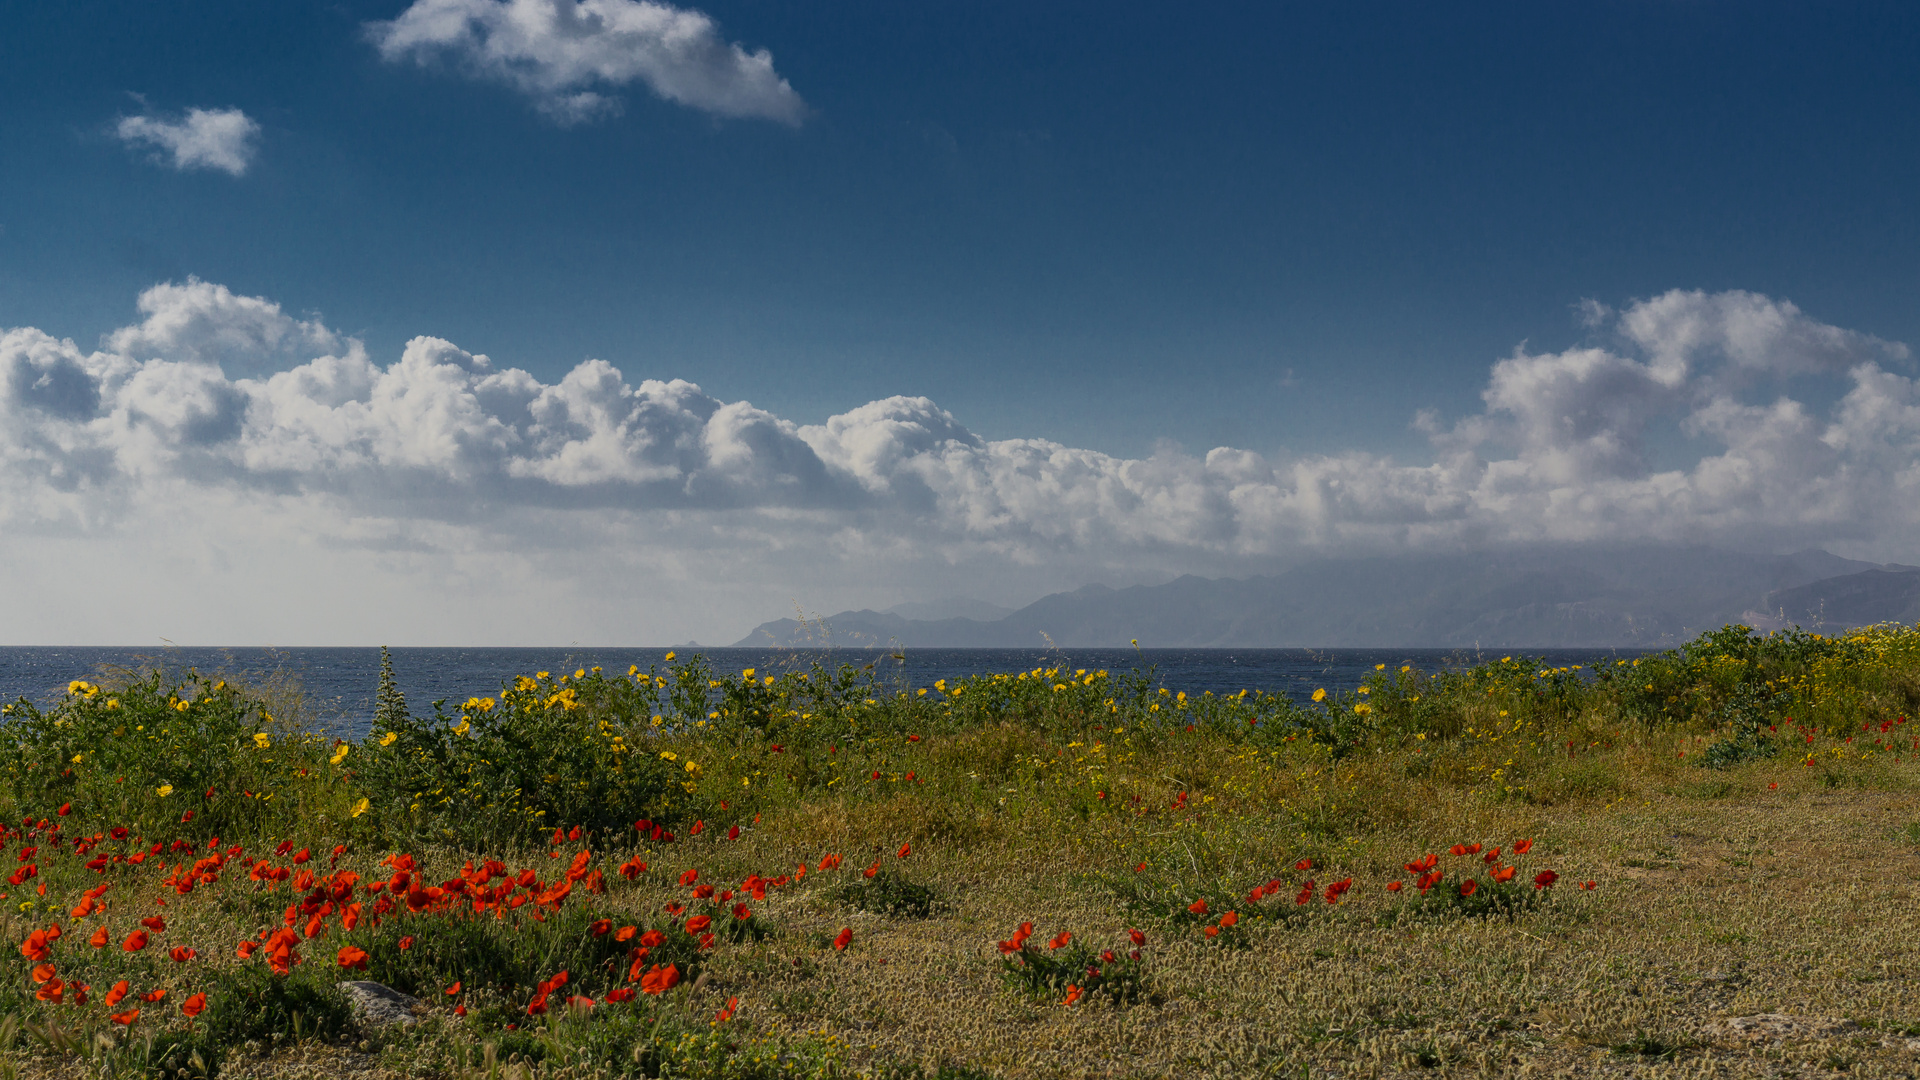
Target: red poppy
624,933
154,923
135,941
353,958
659,980
600,927
42,972
1491,856
154,995
454,989
1198,907
194,1005
99,939
1140,868
1231,918
1587,885
302,855
624,993
405,943
114,995
905,850
1521,847
726,1014
1545,879
690,877
1303,864
1060,940
181,954
1396,886
846,936
871,871
1504,873
742,911
39,944
1457,849
1469,887
1138,937
125,1019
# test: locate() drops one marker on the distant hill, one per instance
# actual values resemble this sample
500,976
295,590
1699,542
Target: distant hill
1573,596
1890,594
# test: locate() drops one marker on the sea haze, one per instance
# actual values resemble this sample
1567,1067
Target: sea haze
1558,596
340,682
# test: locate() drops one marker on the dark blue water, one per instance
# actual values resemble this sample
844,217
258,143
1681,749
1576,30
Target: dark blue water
340,682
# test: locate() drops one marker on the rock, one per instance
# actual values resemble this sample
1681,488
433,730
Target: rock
377,1006
1779,1027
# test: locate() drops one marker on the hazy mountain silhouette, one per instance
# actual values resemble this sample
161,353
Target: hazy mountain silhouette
1565,596
1887,594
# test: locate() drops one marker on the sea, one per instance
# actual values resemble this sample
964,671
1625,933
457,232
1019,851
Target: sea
339,683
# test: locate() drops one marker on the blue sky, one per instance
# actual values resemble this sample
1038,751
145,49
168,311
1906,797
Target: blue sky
1138,231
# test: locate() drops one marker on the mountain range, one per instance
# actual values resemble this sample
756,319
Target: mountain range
1650,596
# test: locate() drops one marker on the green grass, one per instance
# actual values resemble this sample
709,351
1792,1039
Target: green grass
1742,803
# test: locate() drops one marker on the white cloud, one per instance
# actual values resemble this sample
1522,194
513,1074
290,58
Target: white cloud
565,53
220,441
202,139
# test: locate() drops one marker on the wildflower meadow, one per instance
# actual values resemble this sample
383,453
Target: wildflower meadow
821,871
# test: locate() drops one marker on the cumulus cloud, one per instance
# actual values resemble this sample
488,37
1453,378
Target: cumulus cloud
238,422
201,139
565,53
